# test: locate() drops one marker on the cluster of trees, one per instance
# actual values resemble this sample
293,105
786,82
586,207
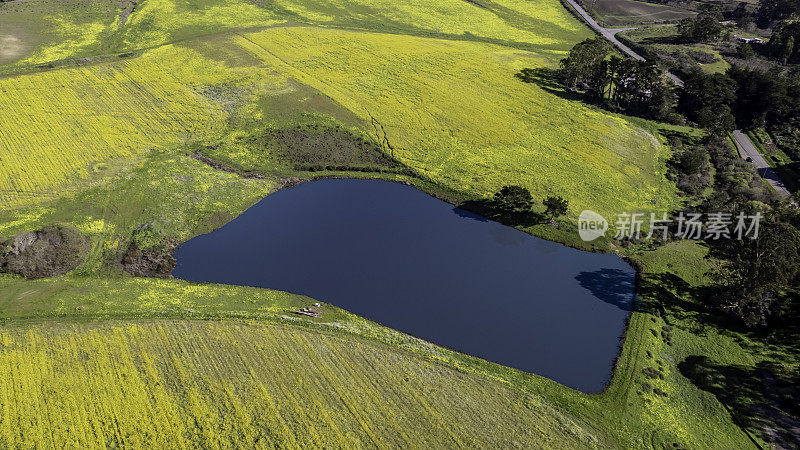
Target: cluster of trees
514,199
740,98
760,277
634,87
706,99
735,181
746,98
780,16
690,168
784,44
584,58
759,280
770,12
705,27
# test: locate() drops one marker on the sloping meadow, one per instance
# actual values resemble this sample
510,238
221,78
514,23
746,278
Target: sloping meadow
451,111
454,112
47,31
167,383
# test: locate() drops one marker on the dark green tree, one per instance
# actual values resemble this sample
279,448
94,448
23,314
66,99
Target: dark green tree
703,28
760,271
635,87
771,11
788,49
555,206
745,51
583,60
513,199
707,100
782,45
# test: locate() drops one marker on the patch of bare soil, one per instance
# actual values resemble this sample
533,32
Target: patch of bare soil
11,47
127,9
150,253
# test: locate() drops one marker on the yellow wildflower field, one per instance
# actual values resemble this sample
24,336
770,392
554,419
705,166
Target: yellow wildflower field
231,384
454,111
57,125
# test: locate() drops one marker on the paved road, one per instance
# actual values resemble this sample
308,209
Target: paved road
748,150
609,33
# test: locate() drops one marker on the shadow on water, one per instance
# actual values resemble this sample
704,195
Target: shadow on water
470,215
613,286
487,211
501,235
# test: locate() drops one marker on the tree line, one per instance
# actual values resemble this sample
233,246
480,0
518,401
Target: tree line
746,98
626,85
759,279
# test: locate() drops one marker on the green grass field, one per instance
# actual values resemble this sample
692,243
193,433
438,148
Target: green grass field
108,144
45,32
244,384
663,41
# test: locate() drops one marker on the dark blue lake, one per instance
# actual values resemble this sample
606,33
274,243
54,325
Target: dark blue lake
395,255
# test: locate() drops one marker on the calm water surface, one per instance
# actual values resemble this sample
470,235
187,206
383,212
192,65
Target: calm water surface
395,255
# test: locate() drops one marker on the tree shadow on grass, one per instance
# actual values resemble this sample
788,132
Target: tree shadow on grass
691,307
542,76
757,397
549,80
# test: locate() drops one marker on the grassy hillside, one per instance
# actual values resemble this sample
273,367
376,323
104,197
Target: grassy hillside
59,124
108,109
45,31
452,110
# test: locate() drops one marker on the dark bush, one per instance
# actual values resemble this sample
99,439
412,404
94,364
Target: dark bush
51,251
